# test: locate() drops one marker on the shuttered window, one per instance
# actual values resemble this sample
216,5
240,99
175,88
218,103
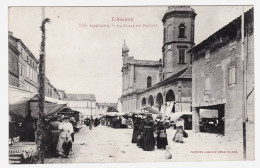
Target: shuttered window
27,71
182,59
207,83
232,75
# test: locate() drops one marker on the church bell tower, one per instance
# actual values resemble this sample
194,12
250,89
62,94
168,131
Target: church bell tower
178,38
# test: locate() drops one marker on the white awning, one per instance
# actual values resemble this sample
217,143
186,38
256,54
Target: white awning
112,114
177,115
19,96
169,108
151,110
52,100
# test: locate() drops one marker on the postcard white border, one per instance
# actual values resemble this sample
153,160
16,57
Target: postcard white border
4,76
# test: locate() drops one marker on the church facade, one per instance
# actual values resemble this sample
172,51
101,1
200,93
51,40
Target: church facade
164,84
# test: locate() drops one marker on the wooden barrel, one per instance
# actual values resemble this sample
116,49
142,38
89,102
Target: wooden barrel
54,125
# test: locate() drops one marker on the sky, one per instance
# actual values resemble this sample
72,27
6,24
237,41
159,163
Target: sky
88,60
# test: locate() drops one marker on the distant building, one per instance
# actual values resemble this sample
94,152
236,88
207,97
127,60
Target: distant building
84,103
223,81
62,94
101,108
50,90
28,72
162,84
137,76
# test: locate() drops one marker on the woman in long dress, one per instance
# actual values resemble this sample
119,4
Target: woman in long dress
65,136
161,135
136,122
148,137
140,139
178,137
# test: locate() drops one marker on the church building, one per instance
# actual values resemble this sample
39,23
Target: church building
165,83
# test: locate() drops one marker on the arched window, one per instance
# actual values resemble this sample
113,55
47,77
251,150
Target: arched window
151,101
164,34
144,102
170,33
159,101
182,31
170,98
149,81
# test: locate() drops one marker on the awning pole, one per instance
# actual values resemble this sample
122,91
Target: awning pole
244,84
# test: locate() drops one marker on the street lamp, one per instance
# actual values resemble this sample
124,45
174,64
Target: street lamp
90,122
91,107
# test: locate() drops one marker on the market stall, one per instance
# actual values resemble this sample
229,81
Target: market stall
23,114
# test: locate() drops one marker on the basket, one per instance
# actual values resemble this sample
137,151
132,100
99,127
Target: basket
163,135
185,134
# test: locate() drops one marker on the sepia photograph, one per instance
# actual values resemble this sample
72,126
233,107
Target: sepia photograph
131,84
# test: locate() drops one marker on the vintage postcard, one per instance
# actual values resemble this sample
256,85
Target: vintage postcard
131,84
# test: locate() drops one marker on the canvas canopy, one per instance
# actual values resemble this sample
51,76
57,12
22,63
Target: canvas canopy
121,114
112,109
18,96
177,115
112,114
20,101
151,110
49,110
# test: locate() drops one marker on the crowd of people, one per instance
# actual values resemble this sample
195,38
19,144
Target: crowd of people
90,122
148,133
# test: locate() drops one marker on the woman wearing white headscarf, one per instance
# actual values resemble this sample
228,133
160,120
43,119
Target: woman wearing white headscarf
178,137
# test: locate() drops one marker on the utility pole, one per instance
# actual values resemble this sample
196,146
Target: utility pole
244,104
90,124
40,132
91,107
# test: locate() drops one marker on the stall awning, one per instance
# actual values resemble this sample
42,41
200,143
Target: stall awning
112,114
18,96
52,100
151,110
177,115
18,103
111,109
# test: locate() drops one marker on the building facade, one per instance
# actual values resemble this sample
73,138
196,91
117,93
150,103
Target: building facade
62,94
167,85
137,75
50,90
28,71
13,61
84,103
101,108
23,69
223,79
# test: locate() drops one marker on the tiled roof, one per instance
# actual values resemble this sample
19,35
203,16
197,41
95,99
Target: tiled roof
236,23
146,63
107,104
80,97
24,46
186,73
